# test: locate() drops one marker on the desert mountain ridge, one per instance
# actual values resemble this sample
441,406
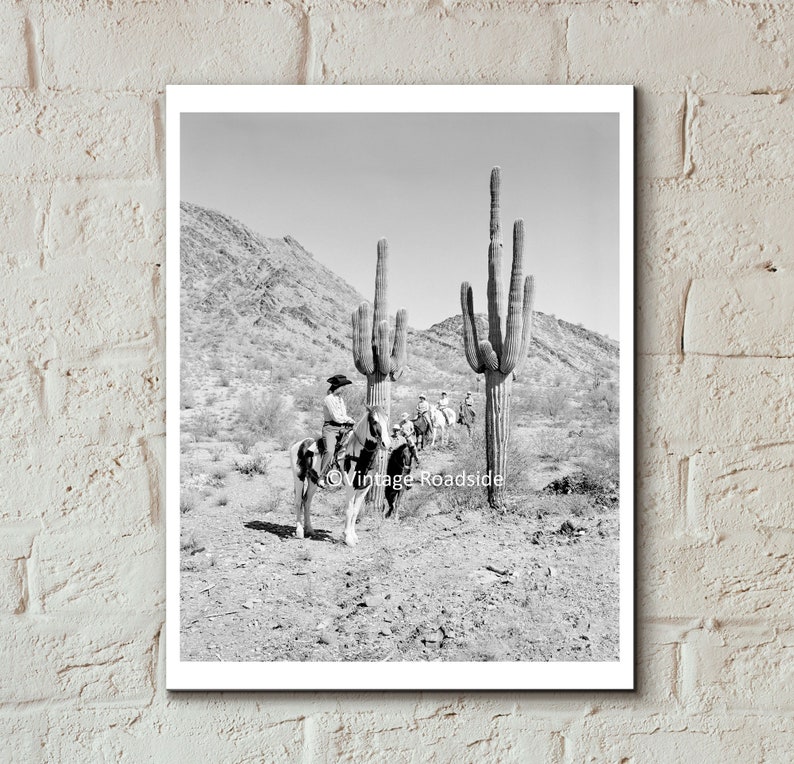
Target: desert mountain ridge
243,294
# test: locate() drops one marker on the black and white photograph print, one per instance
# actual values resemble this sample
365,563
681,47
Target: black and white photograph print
400,391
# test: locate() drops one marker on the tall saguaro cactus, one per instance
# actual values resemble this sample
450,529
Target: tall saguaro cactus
509,335
376,356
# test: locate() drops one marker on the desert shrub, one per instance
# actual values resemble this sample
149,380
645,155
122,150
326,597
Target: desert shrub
554,402
245,440
268,416
187,502
308,398
207,425
218,475
225,380
188,398
222,500
256,465
355,397
553,446
605,398
260,362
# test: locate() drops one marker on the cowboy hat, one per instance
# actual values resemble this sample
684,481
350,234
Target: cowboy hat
422,395
338,380
404,415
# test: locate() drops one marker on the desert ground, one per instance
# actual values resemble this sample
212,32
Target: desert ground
450,580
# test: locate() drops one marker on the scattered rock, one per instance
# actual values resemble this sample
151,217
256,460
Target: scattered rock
385,631
535,537
374,600
248,604
327,638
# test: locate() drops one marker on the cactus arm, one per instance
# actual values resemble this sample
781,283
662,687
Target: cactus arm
488,355
362,339
381,284
495,297
470,339
381,347
512,345
526,331
400,348
356,341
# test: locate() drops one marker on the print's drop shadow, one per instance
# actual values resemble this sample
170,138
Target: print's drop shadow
285,531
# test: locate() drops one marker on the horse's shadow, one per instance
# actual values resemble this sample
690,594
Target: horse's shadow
285,531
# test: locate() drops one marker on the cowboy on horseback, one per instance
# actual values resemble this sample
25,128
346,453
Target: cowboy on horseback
399,437
406,425
423,409
335,418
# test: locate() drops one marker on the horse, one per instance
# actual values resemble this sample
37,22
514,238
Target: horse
424,430
397,468
368,436
466,417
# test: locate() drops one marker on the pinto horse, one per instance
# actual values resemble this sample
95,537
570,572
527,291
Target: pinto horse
425,430
369,435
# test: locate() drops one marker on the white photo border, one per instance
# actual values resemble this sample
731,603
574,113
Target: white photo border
415,675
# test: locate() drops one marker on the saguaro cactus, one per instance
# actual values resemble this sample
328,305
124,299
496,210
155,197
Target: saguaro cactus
376,356
505,350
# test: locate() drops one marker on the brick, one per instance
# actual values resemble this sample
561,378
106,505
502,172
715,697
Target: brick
21,210
729,401
134,47
21,735
63,481
749,316
117,394
748,137
85,659
414,45
465,735
660,302
13,51
16,543
84,571
107,221
660,148
665,47
740,668
743,492
740,577
141,735
26,485
657,739
109,305
21,393
67,136
714,229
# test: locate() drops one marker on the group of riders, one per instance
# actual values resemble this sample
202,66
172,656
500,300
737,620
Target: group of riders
336,422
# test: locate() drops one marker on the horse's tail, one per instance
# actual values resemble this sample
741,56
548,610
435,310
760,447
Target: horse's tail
300,458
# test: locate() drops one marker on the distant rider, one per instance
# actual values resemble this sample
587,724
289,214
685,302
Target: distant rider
399,438
406,425
334,418
423,409
444,404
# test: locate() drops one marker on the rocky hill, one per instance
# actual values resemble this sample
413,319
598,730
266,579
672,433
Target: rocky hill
236,283
244,294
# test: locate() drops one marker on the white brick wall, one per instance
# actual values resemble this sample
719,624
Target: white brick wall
81,379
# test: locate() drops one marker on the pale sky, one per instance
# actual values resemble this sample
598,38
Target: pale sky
339,182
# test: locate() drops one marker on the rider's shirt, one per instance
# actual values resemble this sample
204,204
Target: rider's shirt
334,409
443,403
423,407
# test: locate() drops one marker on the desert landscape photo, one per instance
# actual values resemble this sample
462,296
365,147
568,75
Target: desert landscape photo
459,572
